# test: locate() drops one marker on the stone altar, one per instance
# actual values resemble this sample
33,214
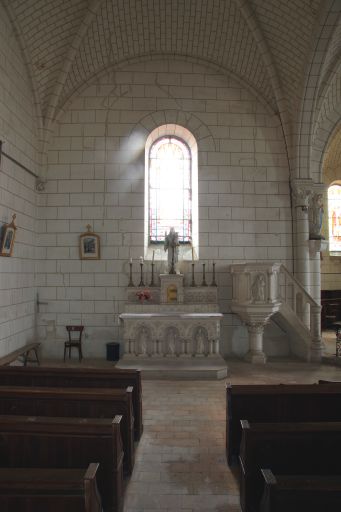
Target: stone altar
177,327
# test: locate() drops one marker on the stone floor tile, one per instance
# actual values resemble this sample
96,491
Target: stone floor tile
180,461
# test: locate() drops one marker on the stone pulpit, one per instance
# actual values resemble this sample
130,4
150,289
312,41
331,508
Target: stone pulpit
172,322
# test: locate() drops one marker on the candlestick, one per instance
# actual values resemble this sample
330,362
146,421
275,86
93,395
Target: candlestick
131,273
203,276
213,276
193,281
152,279
141,265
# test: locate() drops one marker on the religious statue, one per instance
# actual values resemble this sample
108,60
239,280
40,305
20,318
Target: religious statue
258,288
172,246
315,217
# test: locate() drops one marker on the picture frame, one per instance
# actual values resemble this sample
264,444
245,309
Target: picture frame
89,245
7,238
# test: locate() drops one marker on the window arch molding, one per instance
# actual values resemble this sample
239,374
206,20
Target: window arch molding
334,218
184,136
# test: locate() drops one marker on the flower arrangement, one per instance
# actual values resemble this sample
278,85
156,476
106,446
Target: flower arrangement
143,295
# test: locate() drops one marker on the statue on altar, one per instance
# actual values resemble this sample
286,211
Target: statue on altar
172,246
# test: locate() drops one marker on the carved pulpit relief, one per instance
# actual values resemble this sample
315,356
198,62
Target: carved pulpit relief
258,288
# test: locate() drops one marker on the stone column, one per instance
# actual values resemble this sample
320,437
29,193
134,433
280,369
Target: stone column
255,354
316,343
301,191
316,243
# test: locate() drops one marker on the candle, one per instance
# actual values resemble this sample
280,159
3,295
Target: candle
192,254
131,260
141,259
153,255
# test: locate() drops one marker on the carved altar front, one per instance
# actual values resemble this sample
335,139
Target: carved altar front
176,321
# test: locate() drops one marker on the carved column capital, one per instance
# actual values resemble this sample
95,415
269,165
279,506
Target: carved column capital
301,192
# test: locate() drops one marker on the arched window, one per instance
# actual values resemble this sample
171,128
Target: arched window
334,217
171,188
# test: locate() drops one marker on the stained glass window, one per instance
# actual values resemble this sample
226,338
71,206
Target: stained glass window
170,189
334,218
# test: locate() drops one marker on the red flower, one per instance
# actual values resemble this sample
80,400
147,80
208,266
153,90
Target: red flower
143,295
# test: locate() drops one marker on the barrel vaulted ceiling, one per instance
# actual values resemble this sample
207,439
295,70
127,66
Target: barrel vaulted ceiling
265,43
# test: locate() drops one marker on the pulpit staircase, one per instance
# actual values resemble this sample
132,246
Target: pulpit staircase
283,301
299,316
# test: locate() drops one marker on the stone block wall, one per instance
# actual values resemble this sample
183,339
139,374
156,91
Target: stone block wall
96,175
17,194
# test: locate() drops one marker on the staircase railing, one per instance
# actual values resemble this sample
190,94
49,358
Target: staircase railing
296,298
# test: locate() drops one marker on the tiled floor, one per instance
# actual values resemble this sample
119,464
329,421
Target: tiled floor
180,460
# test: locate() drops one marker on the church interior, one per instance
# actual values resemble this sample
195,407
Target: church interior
170,212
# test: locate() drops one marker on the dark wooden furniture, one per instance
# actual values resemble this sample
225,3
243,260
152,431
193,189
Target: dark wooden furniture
297,493
79,377
52,490
75,340
277,403
331,307
74,402
23,351
42,442
298,448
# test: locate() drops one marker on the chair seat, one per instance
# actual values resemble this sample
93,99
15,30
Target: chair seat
75,340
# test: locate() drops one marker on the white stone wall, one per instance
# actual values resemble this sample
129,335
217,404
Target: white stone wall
96,176
17,194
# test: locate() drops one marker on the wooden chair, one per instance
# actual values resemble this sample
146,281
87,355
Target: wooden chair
74,341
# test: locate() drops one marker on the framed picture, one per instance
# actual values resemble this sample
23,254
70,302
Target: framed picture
89,245
7,238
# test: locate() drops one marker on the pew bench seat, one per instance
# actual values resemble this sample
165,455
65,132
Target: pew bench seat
24,352
66,443
300,448
40,489
77,403
78,378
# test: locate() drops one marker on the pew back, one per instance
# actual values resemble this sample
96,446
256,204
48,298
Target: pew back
55,490
277,403
286,448
74,402
66,443
79,378
300,492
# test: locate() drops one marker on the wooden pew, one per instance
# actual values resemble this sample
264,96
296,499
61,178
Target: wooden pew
277,403
296,493
42,442
300,448
74,402
52,490
79,378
